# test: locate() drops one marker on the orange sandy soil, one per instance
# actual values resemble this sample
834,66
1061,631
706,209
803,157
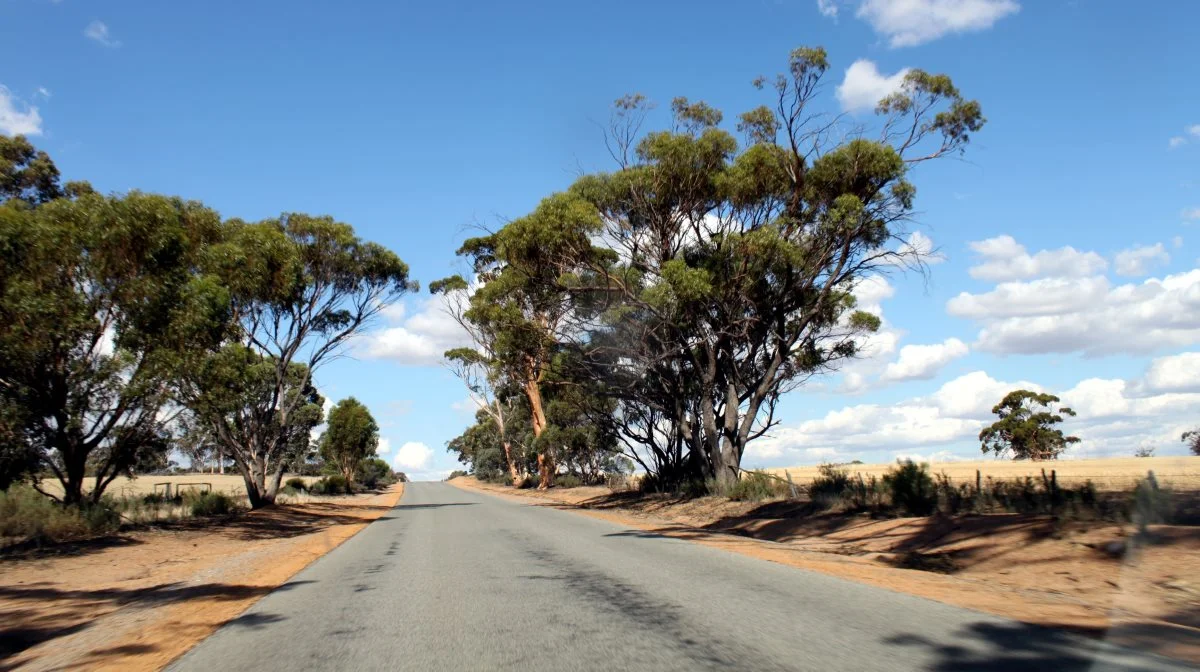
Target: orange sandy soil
139,600
1027,568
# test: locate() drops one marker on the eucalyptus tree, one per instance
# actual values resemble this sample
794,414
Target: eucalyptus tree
1026,427
735,267
100,301
300,287
350,437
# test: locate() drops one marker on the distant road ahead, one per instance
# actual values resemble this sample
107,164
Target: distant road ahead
455,580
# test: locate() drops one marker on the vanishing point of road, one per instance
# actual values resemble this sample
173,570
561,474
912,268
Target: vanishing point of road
456,580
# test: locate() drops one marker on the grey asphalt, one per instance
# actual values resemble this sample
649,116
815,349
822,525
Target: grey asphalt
455,580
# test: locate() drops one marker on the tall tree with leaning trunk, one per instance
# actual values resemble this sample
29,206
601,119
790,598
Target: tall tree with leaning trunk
524,303
736,266
300,288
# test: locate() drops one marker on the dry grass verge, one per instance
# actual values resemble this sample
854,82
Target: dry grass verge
138,601
1088,576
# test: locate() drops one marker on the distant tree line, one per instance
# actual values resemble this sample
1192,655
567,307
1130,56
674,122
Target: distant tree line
658,311
136,323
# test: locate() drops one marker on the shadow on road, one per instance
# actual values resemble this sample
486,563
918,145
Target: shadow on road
435,506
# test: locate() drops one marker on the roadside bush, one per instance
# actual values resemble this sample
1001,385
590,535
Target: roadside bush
567,481
375,473
756,486
331,485
211,504
1151,504
455,474
829,487
27,514
296,484
912,488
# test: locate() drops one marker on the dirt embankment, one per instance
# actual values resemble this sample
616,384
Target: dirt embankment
1095,578
137,601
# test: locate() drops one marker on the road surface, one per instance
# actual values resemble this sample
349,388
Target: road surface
456,580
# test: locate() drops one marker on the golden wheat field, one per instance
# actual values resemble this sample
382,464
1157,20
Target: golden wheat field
1117,473
231,484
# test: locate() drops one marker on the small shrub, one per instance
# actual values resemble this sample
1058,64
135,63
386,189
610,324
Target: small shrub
211,504
567,481
1151,503
829,487
331,485
912,488
455,474
755,486
27,514
296,484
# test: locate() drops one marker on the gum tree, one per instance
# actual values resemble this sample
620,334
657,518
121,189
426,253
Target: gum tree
1026,428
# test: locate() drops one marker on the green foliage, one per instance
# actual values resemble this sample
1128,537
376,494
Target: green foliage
1192,439
456,474
351,437
335,484
296,484
753,486
1026,427
28,515
912,488
568,481
1151,504
210,504
374,473
101,304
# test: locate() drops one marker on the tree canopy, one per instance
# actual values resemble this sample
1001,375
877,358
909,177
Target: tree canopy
1026,428
350,437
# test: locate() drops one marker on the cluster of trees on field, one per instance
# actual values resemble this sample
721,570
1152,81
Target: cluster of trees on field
138,322
659,311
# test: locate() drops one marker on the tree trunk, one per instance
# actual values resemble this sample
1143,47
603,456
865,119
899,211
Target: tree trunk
74,469
544,459
512,465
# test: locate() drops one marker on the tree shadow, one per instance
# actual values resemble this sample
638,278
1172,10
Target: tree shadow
35,550
435,506
22,630
1022,646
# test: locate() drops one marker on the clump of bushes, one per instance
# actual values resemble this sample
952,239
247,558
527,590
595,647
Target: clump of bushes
296,483
375,473
210,504
455,474
567,481
28,515
912,488
755,486
331,485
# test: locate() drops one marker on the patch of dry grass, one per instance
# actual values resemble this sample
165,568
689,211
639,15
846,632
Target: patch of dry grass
230,484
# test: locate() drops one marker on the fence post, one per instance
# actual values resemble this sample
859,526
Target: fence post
791,485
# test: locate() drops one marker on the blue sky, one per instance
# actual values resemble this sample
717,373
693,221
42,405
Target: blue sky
1070,232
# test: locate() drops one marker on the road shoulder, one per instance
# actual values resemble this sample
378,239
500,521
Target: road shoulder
138,601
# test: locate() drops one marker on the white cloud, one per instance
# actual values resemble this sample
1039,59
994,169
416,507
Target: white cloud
1174,373
1190,213
863,86
922,362
1138,260
412,455
1085,315
98,32
1176,142
42,92
870,293
17,118
417,340
1006,259
828,8
974,394
1193,130
908,23
922,246
384,447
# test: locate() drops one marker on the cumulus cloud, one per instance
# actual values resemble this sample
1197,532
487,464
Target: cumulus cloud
1140,259
864,86
98,32
1085,315
922,362
1174,373
828,8
17,118
908,23
413,455
419,339
1003,258
384,447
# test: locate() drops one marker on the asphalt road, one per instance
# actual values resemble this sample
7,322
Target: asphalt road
454,580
